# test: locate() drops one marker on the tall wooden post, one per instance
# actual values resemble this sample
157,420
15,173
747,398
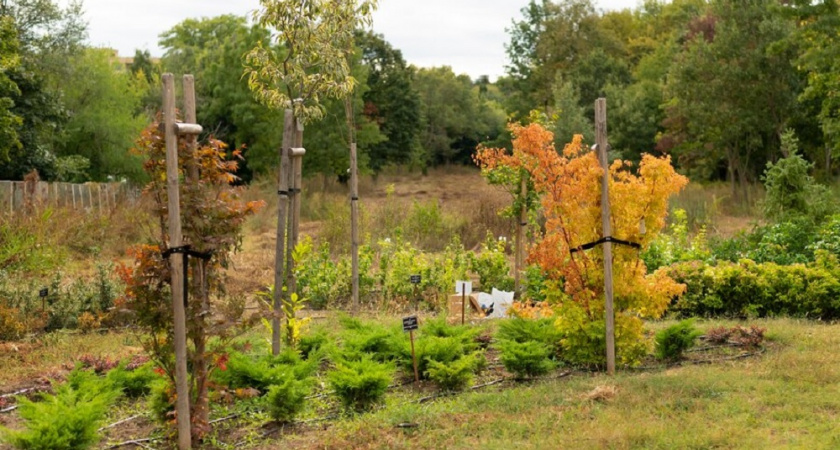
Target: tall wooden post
520,236
282,219
295,180
182,405
601,142
354,225
190,117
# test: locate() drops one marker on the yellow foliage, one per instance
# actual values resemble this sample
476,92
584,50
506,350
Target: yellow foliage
569,186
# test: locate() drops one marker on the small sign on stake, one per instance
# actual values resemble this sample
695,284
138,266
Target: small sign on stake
44,292
410,324
415,279
463,287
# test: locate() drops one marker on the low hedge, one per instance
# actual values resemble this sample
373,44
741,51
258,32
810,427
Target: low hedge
750,289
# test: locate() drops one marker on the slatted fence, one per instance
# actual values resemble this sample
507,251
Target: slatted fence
92,197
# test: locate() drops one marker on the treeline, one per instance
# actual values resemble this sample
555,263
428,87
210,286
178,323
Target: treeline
715,83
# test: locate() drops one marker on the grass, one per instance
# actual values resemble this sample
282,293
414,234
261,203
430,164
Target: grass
52,354
787,398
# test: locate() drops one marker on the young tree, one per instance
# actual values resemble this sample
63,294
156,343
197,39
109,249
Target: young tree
212,225
315,37
568,184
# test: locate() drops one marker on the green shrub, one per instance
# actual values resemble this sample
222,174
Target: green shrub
455,375
368,338
584,337
526,359
161,400
313,343
262,372
748,289
133,383
677,245
541,330
360,384
673,341
492,265
286,399
791,191
464,333
66,420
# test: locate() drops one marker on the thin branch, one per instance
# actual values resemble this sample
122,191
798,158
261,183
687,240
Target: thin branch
137,442
222,419
120,422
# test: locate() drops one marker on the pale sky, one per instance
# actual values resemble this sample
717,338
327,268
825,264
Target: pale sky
468,35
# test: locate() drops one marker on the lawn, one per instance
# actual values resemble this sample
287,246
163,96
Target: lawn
787,397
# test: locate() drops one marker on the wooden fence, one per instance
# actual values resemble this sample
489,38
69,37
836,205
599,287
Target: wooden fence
91,197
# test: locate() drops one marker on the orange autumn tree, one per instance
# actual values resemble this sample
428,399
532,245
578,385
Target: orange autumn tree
213,213
569,188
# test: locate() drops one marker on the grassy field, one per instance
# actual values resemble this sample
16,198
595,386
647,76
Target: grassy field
788,397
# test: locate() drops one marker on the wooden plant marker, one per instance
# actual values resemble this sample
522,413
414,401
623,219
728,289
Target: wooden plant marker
410,324
464,287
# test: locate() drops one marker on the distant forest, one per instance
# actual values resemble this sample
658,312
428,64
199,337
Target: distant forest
714,83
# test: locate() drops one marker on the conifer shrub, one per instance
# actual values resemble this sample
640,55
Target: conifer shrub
132,383
673,341
360,384
161,400
455,375
523,330
367,338
287,398
526,359
244,371
66,420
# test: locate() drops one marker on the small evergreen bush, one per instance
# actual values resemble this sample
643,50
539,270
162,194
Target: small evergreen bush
133,383
161,400
526,359
287,398
457,374
360,384
523,330
66,420
260,373
673,341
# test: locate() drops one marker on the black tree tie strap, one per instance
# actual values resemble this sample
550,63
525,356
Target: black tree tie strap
187,252
605,239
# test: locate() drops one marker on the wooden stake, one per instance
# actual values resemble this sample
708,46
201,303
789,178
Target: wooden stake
413,357
354,225
295,181
520,236
601,141
282,220
463,302
182,404
190,118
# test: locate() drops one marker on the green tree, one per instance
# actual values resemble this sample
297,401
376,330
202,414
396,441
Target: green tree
213,50
731,93
819,59
455,120
390,101
48,37
103,99
9,60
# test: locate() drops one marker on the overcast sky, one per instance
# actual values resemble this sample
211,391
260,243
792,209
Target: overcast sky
468,35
